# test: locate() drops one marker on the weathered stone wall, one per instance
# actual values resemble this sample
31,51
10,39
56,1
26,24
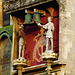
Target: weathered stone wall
67,35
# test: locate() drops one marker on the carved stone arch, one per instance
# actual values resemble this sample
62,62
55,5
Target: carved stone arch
5,53
60,1
4,33
61,4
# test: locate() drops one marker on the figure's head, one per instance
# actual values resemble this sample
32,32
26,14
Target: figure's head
49,19
20,30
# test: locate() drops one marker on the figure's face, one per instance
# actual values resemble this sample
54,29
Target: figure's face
49,19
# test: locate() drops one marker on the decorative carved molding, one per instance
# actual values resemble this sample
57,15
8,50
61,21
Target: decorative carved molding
22,4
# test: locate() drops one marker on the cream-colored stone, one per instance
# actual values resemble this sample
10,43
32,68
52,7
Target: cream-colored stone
67,36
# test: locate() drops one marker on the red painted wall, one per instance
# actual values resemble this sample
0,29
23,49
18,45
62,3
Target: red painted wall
35,44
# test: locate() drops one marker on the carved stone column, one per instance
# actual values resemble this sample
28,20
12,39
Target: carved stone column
49,58
1,14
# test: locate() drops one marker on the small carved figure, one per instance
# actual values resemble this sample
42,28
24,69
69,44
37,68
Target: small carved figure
22,42
49,34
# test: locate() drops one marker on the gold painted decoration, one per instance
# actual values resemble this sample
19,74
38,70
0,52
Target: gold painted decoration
40,43
51,10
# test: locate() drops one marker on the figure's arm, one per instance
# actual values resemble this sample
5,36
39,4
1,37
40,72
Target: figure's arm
44,26
39,24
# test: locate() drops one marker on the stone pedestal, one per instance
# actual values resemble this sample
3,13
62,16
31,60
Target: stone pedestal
49,58
20,64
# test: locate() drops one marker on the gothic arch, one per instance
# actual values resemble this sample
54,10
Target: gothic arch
5,52
4,33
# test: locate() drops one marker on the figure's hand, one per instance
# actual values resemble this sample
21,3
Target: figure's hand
39,24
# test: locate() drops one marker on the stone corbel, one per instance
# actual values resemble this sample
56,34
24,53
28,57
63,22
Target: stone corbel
49,58
20,63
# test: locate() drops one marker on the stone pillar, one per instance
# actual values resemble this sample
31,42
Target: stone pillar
11,20
19,68
15,39
67,35
48,59
1,14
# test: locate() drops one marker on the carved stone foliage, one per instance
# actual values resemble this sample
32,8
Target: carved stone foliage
15,4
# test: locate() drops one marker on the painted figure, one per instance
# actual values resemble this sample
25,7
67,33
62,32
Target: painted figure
21,42
49,34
